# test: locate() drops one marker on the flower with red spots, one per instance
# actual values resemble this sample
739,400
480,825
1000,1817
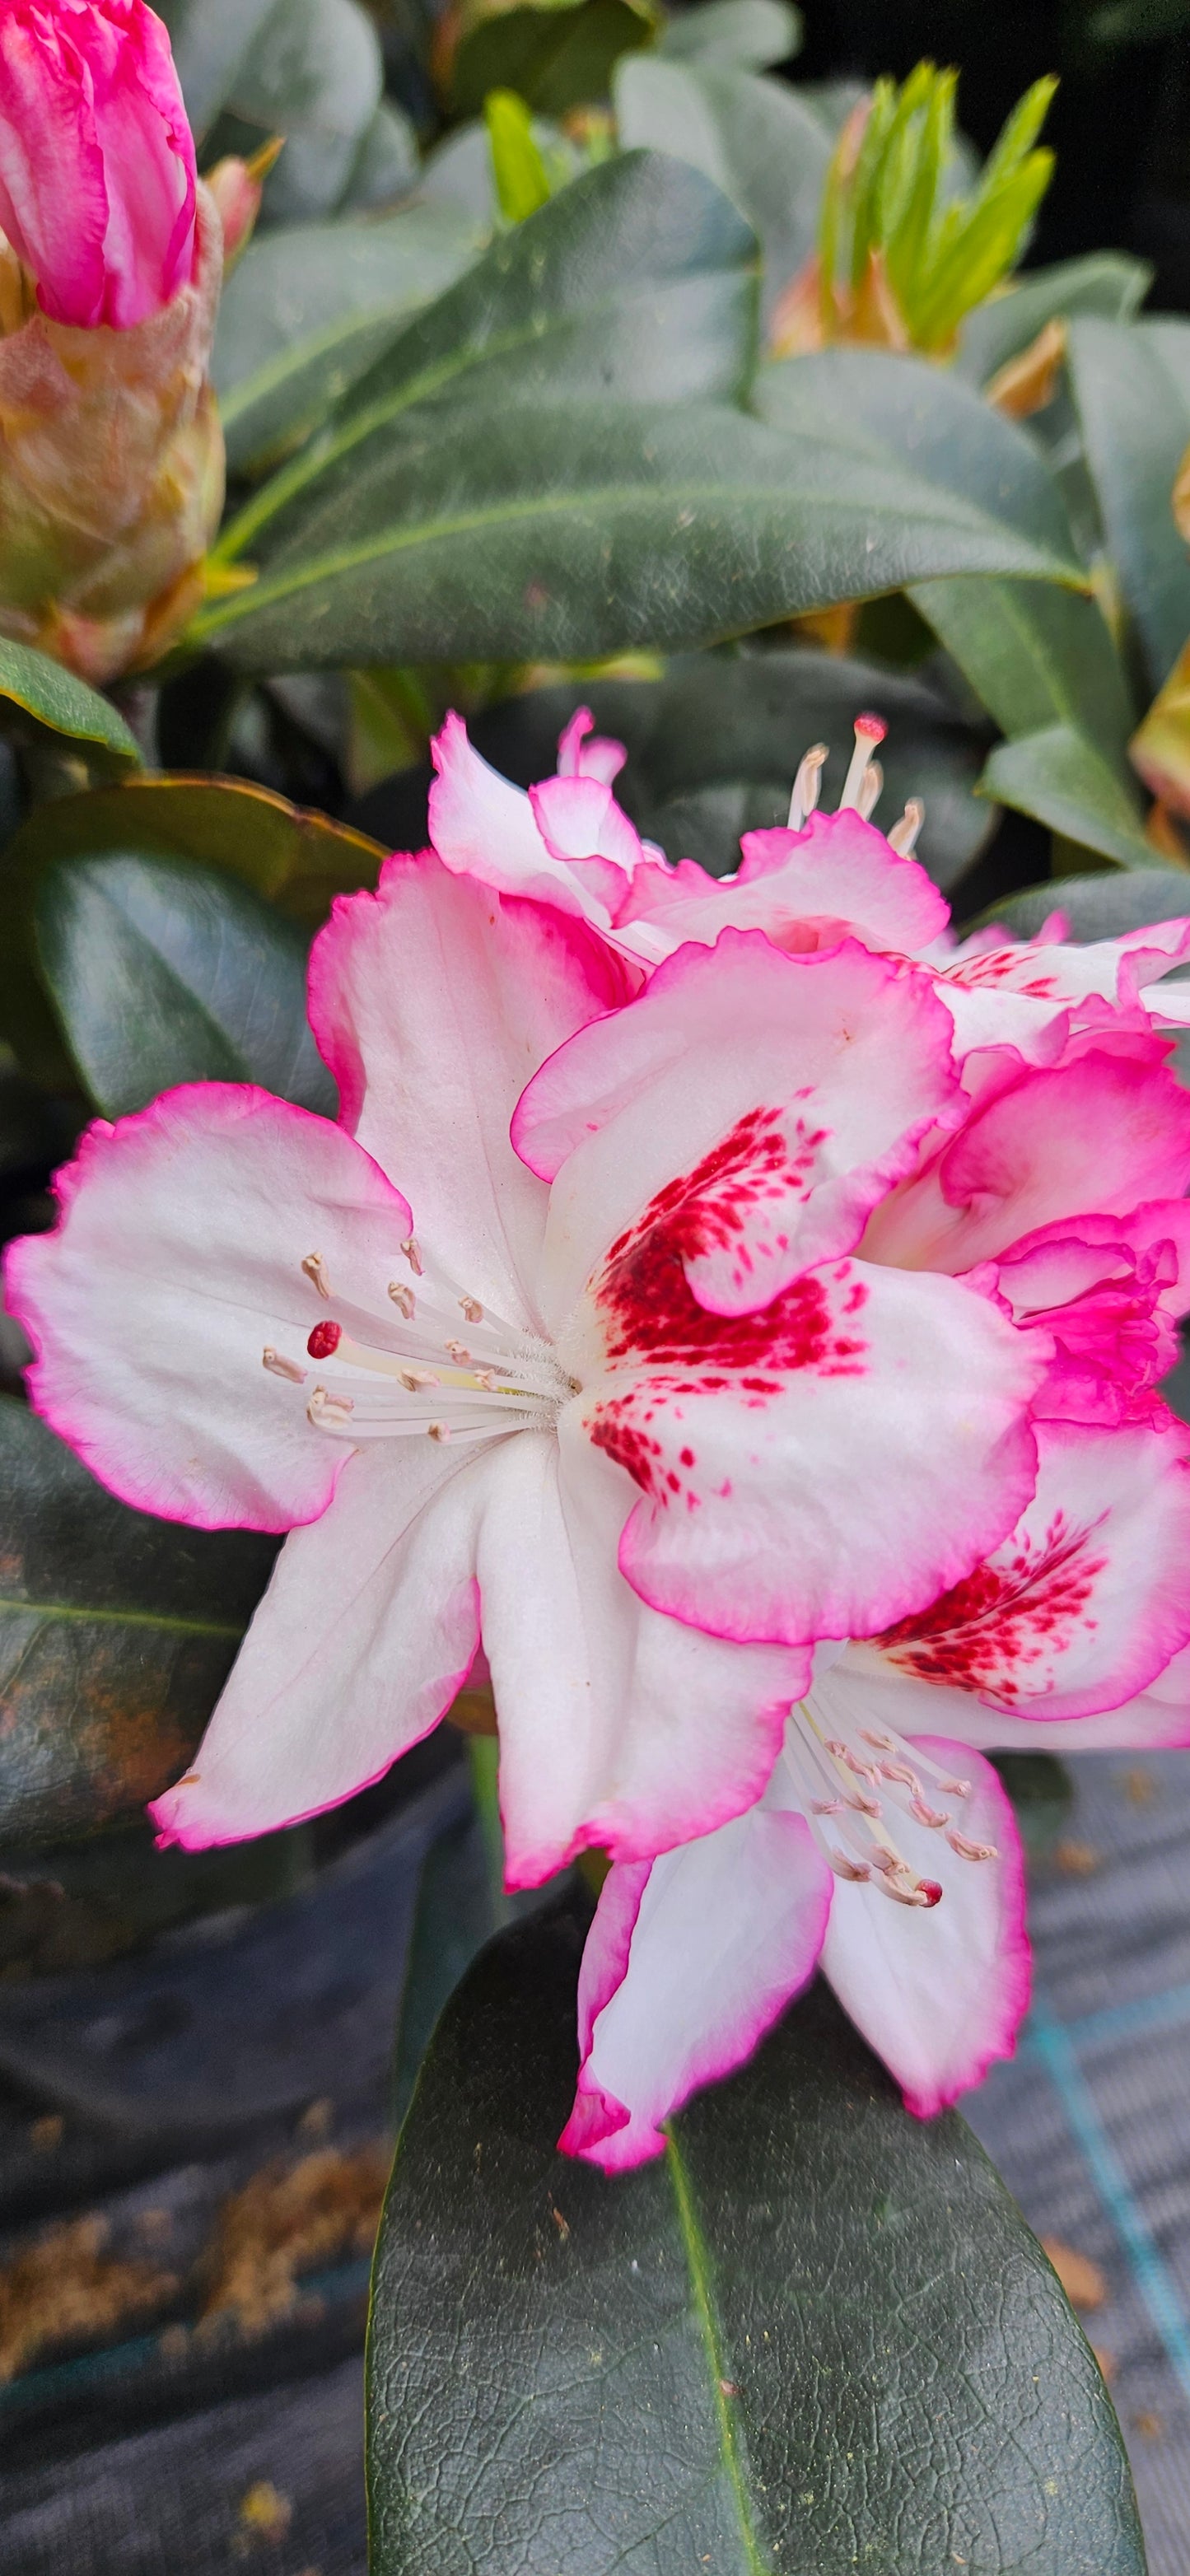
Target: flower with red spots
880,1791
613,1394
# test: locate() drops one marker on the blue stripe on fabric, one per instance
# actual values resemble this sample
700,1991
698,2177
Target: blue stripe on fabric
1052,2044
1128,2021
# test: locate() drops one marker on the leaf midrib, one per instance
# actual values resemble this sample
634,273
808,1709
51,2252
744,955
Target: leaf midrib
457,363
122,1618
699,2265
539,505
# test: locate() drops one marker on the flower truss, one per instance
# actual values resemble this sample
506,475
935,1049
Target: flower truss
1062,1192
744,1330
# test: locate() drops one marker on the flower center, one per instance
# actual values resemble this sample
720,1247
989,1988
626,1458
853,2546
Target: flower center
858,1782
432,1361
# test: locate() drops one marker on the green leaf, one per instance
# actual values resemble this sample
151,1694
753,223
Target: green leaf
313,72
50,698
296,860
117,1633
755,138
1035,657
746,35
1032,652
209,41
1097,907
556,56
637,282
1042,1794
518,164
310,307
454,1915
1131,387
1059,777
562,534
162,971
816,2335
1105,282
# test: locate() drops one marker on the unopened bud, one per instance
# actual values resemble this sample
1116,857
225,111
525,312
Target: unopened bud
111,453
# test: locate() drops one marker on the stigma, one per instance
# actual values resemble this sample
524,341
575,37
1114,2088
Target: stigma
399,1365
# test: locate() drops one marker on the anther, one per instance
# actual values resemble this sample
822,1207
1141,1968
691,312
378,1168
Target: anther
281,1367
870,786
903,836
967,1850
901,1772
934,1816
315,1269
883,1743
869,733
459,1353
826,1806
863,1770
324,1341
807,786
413,1378
403,1298
953,1788
412,1255
324,1407
472,1309
439,1431
860,1803
845,1868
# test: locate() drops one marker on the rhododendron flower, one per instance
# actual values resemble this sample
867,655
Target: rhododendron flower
807,884
97,173
884,1848
613,1394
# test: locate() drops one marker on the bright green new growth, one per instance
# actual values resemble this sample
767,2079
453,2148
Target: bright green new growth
893,225
519,165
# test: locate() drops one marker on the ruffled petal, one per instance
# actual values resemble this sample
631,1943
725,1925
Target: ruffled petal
803,1468
687,1965
835,877
619,1729
483,827
1158,1719
175,1268
433,1001
368,1628
760,1104
1103,1133
1085,1603
940,1992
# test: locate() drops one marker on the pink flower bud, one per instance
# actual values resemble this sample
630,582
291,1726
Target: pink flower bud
97,171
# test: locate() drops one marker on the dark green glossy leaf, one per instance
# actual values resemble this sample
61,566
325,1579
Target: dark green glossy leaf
1105,282
755,138
1033,653
1034,657
746,34
299,861
1131,386
162,971
636,283
556,57
313,73
310,307
47,696
1097,907
117,1632
816,2336
1059,777
561,534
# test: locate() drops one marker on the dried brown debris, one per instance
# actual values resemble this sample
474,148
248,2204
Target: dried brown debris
67,2289
283,2223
